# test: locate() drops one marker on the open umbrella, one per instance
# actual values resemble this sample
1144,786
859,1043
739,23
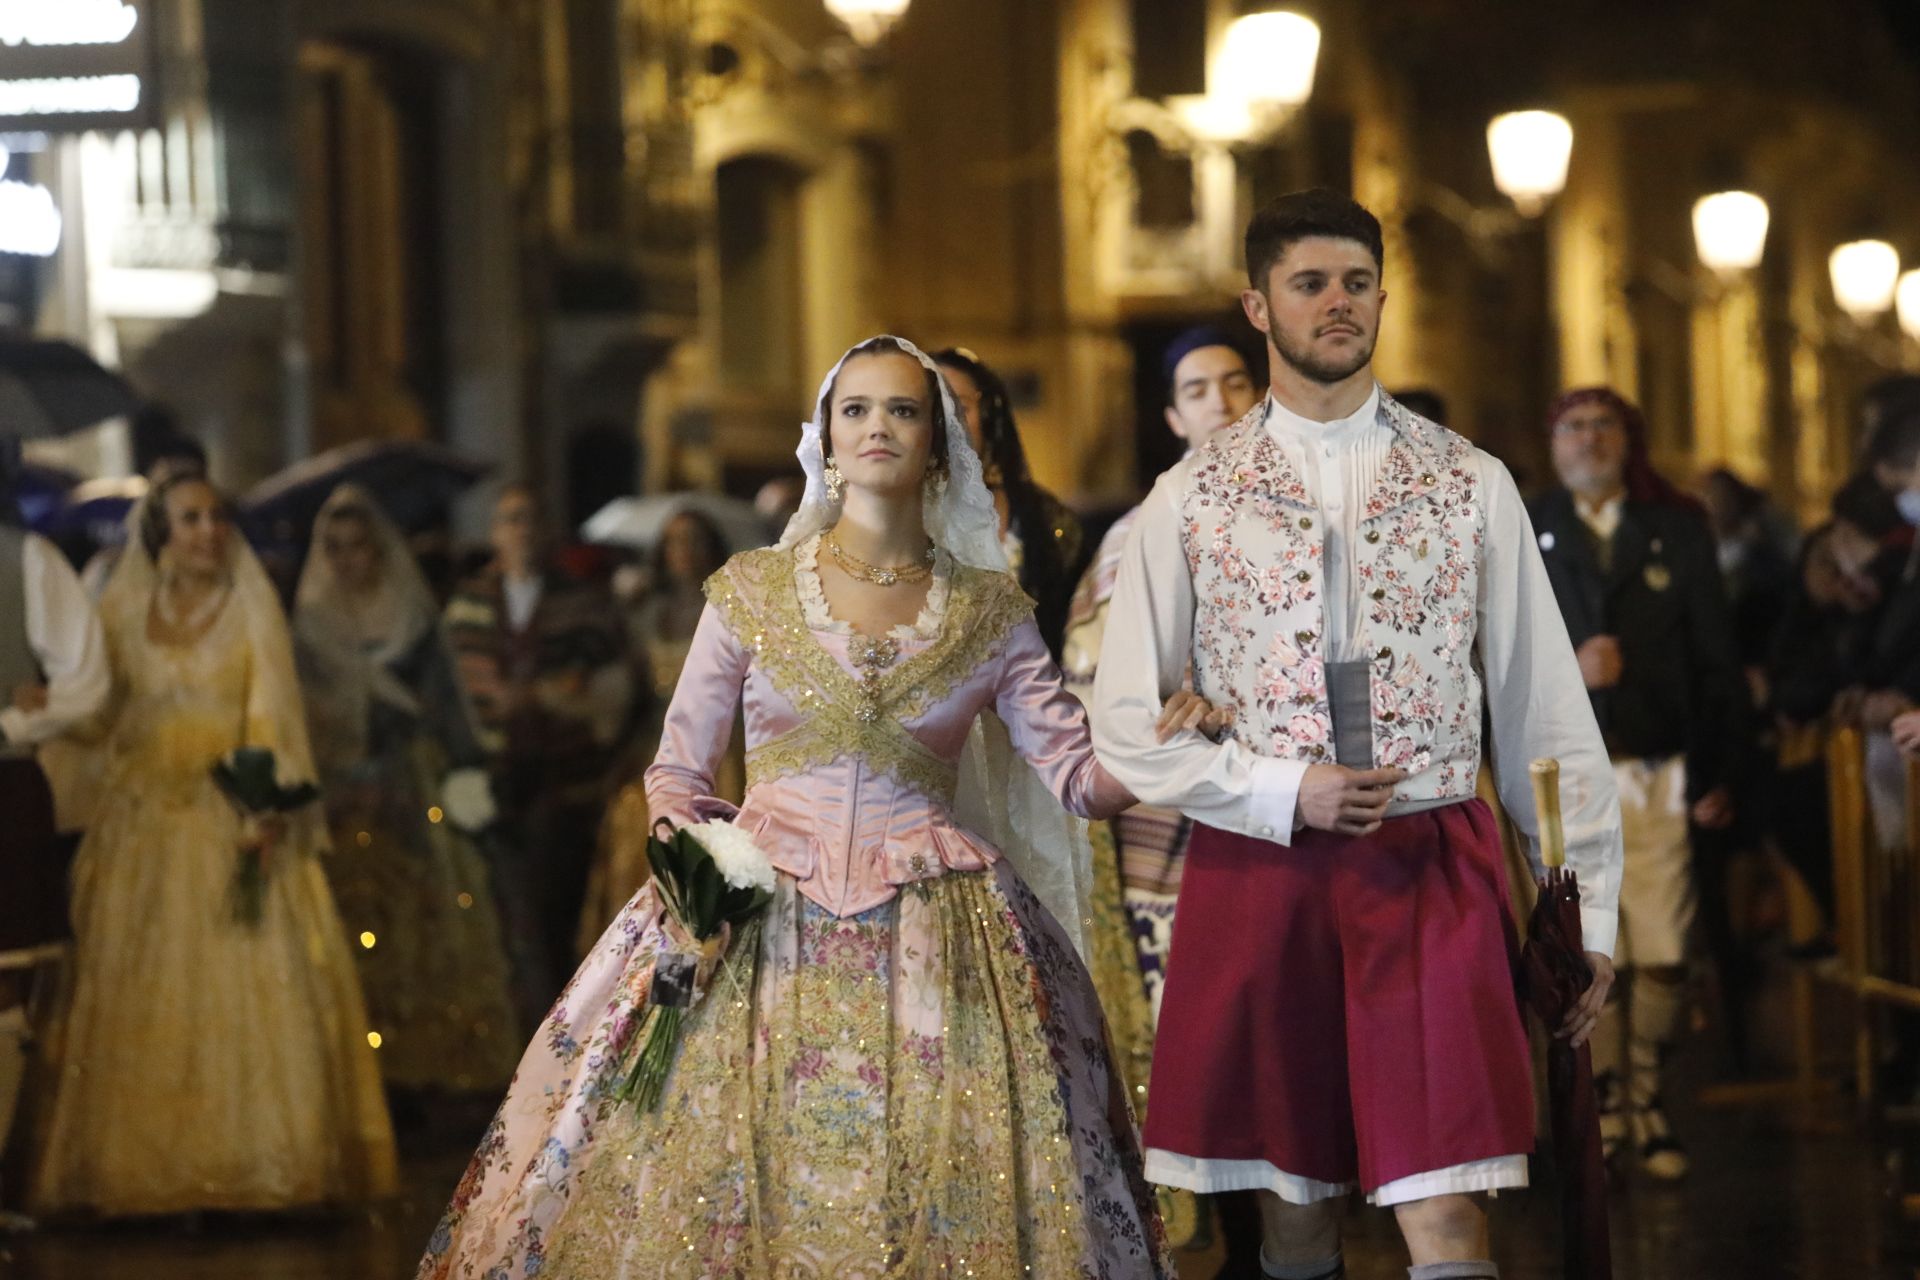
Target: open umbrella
51,388
415,481
637,523
98,509
40,491
1554,974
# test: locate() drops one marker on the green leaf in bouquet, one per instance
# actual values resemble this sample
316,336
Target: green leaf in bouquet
249,776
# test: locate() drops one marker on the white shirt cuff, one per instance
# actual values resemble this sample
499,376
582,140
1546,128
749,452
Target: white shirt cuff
1598,928
14,724
1274,794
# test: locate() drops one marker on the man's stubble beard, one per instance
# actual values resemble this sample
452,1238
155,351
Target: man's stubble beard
1308,366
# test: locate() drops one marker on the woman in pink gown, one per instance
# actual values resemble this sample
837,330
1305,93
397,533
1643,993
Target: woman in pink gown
900,1070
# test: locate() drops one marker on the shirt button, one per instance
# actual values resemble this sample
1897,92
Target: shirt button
1266,831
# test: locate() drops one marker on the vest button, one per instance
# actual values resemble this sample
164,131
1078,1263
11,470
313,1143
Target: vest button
1306,522
1305,576
1373,535
1379,593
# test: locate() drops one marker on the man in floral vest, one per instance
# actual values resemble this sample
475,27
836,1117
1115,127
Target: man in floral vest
1360,585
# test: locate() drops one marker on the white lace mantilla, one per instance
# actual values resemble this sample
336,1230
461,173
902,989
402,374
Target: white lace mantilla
813,596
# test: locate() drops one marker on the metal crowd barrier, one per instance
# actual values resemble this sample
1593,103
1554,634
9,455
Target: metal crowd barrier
1876,885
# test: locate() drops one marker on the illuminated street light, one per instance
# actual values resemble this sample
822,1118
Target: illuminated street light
1906,298
1266,61
30,222
1865,274
1730,230
1530,151
869,20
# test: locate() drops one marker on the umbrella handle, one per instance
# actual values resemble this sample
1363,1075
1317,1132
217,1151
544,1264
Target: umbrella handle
1546,804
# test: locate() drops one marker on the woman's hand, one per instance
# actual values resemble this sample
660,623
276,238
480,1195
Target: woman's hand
1188,710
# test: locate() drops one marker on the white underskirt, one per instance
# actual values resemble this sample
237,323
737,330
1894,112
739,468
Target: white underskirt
1206,1177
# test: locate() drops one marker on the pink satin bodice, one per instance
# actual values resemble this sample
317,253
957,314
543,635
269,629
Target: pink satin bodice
844,805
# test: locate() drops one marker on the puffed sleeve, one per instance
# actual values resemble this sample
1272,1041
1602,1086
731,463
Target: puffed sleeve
699,727
1048,727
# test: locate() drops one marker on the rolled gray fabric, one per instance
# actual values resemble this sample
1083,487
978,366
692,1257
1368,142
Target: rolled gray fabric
1350,697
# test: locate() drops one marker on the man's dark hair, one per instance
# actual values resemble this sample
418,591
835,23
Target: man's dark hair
156,435
1895,441
1316,212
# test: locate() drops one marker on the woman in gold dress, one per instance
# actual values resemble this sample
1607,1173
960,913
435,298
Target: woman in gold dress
208,1057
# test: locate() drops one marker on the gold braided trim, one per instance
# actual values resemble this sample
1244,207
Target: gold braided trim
756,595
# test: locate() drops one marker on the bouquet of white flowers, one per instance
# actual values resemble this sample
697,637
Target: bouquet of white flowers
711,879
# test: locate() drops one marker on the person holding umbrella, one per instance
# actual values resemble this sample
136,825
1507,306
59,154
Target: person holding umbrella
1360,586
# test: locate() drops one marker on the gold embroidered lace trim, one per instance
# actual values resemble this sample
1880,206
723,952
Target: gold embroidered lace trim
841,716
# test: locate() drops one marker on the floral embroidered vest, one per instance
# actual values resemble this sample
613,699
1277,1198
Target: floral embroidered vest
1253,535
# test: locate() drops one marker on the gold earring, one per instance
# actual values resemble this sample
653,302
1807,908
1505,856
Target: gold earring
836,483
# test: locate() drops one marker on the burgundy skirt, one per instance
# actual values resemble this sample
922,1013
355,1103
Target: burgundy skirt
1343,1009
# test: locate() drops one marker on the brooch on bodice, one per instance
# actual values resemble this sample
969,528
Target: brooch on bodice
872,656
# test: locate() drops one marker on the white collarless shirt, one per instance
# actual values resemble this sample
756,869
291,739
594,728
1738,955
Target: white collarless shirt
1339,460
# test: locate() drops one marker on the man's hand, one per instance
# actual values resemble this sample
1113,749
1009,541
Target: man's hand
1585,1014
1188,710
1906,732
1599,658
30,697
1350,802
1714,810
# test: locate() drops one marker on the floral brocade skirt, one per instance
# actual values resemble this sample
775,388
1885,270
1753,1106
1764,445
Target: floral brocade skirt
920,1090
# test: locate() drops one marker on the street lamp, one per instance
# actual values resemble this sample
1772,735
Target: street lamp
1906,297
869,20
1530,151
1730,231
1865,274
1266,61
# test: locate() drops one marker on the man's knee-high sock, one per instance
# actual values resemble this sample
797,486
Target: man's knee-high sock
1334,1268
1658,1004
1454,1271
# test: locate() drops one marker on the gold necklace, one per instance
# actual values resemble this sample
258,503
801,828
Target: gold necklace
879,575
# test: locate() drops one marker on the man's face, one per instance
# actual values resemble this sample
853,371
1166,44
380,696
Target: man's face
1895,478
1321,307
515,524
1590,450
1211,389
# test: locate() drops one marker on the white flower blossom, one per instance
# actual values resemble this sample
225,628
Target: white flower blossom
741,862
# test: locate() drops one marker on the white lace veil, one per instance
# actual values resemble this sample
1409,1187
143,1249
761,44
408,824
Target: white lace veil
274,716
1000,796
346,671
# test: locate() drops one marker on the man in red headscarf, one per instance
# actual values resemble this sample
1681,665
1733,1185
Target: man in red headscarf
1633,567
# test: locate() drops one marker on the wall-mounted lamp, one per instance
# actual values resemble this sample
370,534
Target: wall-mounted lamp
1906,301
1865,274
868,20
1530,151
1730,231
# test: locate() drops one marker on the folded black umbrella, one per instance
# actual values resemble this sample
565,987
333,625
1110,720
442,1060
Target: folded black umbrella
1554,974
415,481
51,388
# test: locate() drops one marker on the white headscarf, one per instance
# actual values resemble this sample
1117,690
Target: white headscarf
348,669
1000,796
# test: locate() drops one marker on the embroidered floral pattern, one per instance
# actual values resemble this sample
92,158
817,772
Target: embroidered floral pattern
1253,541
917,1091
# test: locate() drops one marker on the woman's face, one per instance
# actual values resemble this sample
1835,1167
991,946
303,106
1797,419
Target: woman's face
684,551
197,528
351,552
967,394
881,423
